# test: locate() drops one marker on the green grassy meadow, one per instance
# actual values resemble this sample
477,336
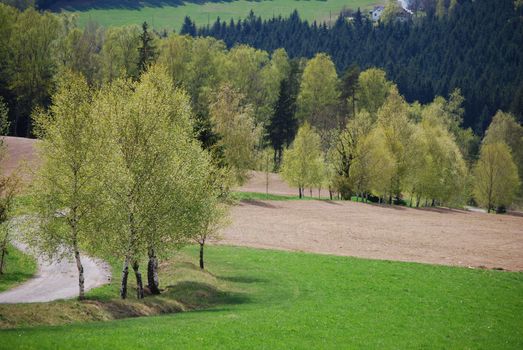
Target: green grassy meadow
171,17
272,300
18,268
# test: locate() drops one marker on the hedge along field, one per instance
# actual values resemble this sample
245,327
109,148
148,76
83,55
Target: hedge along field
274,300
171,17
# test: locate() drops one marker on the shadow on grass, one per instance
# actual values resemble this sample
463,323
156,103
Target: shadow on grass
198,295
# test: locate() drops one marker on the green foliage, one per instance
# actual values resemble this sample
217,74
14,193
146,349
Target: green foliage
18,267
261,296
319,95
391,12
495,176
504,128
233,121
303,164
373,89
67,185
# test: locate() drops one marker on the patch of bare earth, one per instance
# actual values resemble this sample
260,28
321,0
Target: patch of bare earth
438,236
21,156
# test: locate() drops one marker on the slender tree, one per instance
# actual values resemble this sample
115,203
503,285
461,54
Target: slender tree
495,176
303,159
68,183
147,50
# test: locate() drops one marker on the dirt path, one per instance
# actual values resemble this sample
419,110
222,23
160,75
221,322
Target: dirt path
57,280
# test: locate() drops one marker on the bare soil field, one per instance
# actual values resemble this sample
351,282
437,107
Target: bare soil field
437,236
21,154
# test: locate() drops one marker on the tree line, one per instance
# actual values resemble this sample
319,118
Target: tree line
471,45
389,151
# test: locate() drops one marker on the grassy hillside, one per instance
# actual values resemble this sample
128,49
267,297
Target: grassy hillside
171,17
18,268
269,299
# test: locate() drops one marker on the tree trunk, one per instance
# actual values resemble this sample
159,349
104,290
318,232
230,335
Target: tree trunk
433,202
139,284
310,191
81,293
4,252
330,194
153,280
201,256
125,275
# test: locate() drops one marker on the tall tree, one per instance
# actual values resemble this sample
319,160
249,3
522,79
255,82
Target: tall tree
234,122
147,50
495,176
283,124
31,64
504,128
349,86
157,171
373,89
302,160
68,182
319,95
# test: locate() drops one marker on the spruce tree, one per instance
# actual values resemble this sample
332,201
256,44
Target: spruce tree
147,50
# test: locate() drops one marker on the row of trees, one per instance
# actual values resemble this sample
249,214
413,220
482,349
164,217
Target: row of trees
122,175
388,149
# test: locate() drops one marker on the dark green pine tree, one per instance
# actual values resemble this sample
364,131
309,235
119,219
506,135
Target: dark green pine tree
188,27
349,86
147,50
283,124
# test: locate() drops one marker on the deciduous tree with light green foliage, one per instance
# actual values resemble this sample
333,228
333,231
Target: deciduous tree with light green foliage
495,176
119,53
234,122
397,130
68,183
302,161
319,95
504,128
158,172
31,63
372,91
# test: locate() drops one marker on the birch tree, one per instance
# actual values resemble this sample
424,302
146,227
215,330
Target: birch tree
495,176
301,160
68,182
158,170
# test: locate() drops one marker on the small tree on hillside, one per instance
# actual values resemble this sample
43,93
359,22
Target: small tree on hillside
302,159
495,176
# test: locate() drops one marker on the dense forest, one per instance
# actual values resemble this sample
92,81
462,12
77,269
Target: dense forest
473,45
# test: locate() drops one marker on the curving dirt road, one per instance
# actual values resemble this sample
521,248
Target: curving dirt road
56,280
